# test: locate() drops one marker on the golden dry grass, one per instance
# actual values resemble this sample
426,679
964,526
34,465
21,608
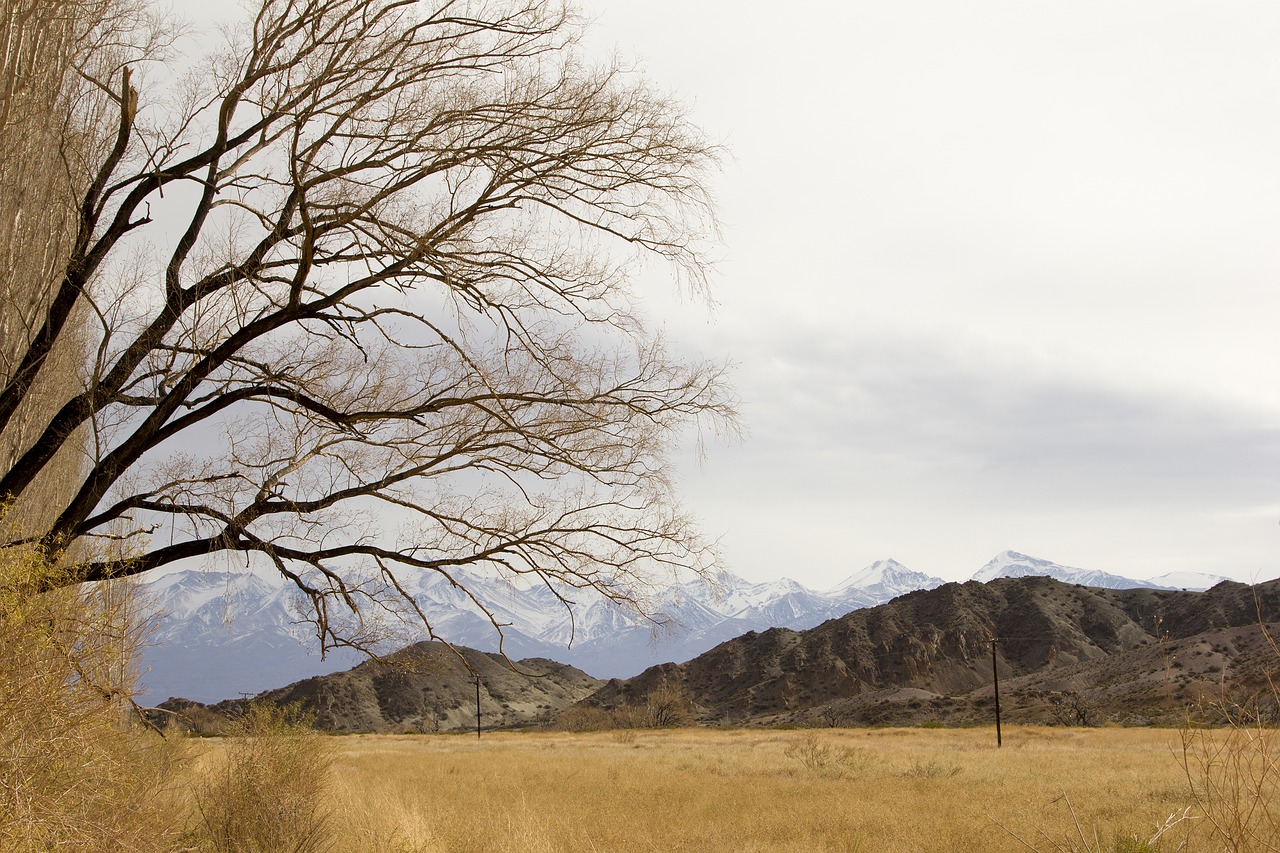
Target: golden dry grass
752,790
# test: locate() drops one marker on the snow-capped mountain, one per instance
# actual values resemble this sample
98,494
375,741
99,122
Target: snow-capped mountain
1011,564
1191,581
887,579
222,634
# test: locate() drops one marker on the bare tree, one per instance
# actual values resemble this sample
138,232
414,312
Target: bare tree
358,301
49,52
1070,708
71,777
669,704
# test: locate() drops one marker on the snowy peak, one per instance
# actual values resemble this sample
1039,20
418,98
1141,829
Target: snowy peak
874,573
1189,581
886,579
1011,564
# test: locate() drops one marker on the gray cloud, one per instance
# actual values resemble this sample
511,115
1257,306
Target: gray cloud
912,405
940,455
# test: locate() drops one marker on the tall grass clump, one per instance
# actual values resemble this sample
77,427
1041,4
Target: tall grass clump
268,789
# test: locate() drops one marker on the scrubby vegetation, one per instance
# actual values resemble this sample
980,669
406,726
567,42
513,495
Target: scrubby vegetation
266,789
74,774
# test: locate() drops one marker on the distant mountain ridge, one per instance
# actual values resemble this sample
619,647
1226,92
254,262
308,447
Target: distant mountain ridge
223,634
1066,653
928,655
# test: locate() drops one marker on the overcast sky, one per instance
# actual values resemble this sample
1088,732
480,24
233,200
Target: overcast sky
996,275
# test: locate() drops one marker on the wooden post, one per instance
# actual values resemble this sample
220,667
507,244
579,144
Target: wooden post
995,676
477,707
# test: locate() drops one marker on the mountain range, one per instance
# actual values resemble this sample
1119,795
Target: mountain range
1135,655
1065,653
223,634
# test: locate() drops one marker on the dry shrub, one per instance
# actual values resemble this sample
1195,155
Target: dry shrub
584,718
1234,775
827,759
76,773
268,792
668,705
628,716
932,769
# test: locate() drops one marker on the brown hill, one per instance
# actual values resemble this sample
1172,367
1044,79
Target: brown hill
1137,654
424,687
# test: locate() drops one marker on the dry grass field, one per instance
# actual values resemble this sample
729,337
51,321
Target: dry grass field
761,790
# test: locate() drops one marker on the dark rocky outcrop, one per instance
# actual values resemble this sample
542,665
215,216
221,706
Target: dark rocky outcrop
928,653
424,687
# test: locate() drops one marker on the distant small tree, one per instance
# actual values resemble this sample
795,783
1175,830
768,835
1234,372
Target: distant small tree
669,704
357,301
833,715
1071,708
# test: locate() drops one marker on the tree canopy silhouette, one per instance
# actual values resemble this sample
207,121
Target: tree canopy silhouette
354,295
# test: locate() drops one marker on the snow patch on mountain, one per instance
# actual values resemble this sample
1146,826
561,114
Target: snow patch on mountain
1190,581
1011,564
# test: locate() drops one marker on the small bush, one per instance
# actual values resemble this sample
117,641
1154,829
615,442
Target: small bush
583,718
932,769
816,755
810,751
268,793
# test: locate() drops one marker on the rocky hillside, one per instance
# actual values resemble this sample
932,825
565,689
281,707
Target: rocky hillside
222,633
929,654
425,687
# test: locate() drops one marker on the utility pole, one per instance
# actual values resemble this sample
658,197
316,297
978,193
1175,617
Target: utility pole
995,676
477,706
